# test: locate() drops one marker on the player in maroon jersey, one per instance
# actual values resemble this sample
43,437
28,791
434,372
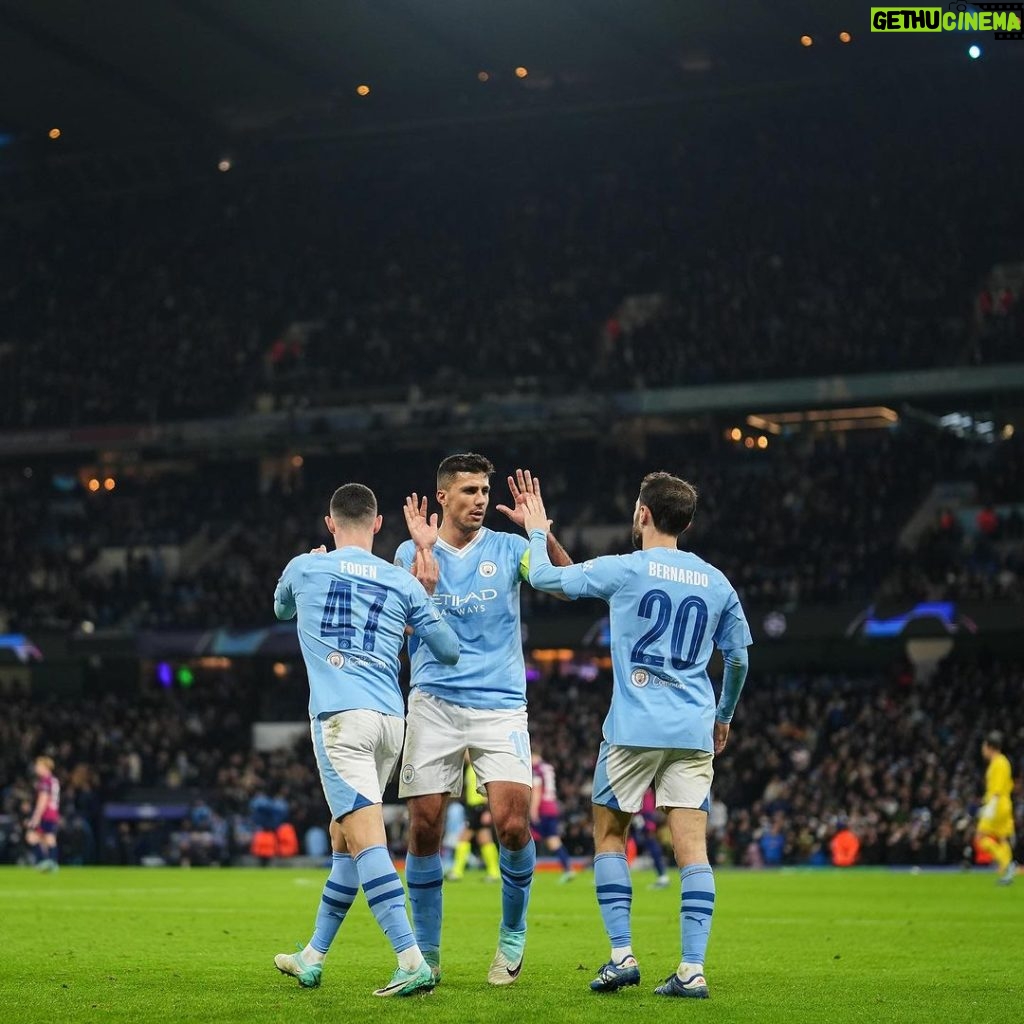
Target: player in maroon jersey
41,830
545,813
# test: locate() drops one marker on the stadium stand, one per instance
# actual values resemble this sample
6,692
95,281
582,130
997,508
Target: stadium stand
805,521
658,261
215,298
897,759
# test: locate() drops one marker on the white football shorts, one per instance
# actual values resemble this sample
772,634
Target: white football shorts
438,734
356,752
682,778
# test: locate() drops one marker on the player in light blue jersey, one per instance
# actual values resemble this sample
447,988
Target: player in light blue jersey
477,707
669,610
353,610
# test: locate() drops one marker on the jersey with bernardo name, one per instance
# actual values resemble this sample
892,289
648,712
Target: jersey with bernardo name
678,574
478,595
352,610
669,609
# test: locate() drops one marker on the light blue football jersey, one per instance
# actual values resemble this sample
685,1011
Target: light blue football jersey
352,610
478,595
669,609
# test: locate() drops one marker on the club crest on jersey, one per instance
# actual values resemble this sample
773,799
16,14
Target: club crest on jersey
640,677
336,659
408,774
488,569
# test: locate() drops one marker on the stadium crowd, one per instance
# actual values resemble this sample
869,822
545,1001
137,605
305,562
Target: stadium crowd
217,298
812,519
973,553
654,263
164,748
895,760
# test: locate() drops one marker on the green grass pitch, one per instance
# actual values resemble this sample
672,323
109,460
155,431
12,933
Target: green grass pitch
137,945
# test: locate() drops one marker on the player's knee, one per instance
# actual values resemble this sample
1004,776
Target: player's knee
424,841
337,837
610,832
609,842
692,850
514,831
426,829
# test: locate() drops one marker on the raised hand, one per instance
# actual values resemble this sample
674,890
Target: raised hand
535,516
422,530
521,485
426,569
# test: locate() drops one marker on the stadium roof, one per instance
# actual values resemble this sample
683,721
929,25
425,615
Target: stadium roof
124,70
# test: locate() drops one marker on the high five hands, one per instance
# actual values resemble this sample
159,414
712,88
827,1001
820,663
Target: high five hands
524,486
535,517
422,530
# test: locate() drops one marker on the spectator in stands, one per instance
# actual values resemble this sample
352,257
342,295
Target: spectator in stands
845,846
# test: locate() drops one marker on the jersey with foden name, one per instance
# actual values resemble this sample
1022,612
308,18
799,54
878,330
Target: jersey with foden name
669,609
478,595
352,610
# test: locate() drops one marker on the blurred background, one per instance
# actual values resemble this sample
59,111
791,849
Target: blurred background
249,253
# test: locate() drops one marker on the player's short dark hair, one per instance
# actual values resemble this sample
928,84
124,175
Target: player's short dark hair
468,462
995,739
353,503
671,501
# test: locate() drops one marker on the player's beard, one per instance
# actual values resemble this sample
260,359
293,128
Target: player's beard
470,526
638,538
